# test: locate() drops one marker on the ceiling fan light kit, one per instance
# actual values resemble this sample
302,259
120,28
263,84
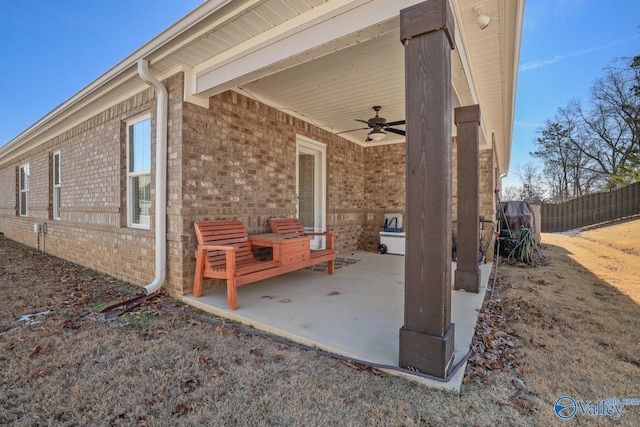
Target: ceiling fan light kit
379,127
376,135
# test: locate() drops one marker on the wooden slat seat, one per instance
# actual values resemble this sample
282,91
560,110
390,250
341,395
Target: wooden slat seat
224,252
294,226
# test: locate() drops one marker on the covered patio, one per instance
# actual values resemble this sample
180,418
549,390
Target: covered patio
356,313
442,80
263,109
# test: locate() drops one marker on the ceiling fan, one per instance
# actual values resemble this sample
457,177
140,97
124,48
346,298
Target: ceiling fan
379,126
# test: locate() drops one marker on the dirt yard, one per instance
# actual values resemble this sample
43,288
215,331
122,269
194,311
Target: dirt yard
566,327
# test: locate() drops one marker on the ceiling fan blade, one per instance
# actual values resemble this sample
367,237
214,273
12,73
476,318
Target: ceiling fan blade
351,130
363,121
396,131
399,122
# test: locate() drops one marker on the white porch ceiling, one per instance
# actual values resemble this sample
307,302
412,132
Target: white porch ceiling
339,81
334,90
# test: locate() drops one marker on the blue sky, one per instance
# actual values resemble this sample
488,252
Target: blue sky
565,46
50,49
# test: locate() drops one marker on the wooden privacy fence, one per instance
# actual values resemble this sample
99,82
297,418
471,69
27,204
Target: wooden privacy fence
591,209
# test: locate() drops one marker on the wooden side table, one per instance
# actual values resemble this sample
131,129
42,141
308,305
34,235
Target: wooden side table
288,249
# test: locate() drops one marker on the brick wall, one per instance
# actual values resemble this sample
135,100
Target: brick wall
238,162
488,171
454,188
384,189
235,159
92,230
8,195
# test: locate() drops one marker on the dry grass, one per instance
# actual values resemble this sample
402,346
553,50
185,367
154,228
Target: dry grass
571,331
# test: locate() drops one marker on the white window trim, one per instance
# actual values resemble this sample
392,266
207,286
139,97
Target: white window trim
25,190
131,175
58,185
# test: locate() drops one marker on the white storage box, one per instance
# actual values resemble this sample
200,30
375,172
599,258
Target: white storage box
394,242
393,222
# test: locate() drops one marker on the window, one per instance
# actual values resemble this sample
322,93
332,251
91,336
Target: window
139,173
56,185
24,190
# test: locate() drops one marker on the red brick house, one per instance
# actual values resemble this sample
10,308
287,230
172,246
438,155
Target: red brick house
257,92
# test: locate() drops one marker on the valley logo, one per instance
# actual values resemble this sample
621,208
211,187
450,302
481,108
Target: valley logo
567,407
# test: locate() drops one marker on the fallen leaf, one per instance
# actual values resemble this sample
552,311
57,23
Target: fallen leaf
268,296
524,404
333,293
29,375
180,410
222,330
36,350
285,300
507,404
520,384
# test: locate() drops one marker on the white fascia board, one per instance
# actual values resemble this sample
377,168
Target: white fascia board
508,131
314,28
460,41
189,89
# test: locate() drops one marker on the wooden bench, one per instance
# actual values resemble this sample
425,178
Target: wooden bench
224,252
294,226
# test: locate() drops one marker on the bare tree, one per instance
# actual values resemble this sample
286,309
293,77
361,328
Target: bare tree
532,188
594,146
568,172
510,193
610,131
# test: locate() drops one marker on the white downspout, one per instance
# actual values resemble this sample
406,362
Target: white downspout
162,99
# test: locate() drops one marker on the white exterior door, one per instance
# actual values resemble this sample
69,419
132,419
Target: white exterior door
310,187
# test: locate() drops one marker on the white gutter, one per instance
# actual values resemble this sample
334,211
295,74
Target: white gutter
162,101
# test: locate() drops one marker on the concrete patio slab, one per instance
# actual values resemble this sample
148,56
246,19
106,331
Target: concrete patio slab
357,312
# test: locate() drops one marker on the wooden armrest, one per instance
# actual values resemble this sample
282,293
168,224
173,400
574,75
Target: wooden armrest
215,248
230,256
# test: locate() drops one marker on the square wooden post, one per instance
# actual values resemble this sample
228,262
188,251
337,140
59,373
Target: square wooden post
467,274
427,337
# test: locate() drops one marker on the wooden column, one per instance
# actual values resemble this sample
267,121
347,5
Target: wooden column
427,337
467,272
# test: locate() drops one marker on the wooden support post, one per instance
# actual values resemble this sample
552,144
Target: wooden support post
467,276
427,337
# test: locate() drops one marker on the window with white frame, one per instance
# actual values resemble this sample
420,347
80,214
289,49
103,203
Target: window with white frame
57,185
139,172
24,190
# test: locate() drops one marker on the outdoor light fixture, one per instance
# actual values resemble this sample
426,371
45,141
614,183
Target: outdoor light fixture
377,135
482,20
